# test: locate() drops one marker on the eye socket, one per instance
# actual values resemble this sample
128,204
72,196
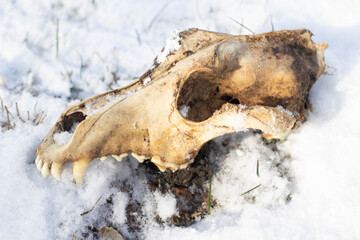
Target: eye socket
201,96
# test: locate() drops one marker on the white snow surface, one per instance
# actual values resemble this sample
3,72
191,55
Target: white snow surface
172,44
310,186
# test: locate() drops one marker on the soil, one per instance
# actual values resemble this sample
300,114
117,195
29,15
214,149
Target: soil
189,186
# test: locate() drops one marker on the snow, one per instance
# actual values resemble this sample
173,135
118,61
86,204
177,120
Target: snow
166,204
184,110
65,137
172,44
147,81
105,45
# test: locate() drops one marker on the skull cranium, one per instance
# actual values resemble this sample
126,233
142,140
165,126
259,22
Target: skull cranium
212,84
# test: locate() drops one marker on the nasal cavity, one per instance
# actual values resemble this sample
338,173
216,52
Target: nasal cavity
69,120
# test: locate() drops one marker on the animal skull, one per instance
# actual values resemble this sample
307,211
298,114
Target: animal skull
207,84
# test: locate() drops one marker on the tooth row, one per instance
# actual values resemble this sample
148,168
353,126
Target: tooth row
80,166
46,168
173,166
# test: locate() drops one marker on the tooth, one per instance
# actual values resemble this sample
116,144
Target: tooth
185,165
140,158
103,159
79,169
56,170
39,163
157,161
120,157
45,170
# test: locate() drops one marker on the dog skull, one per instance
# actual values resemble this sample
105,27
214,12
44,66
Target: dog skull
208,85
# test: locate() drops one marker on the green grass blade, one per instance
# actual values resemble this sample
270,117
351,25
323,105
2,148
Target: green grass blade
250,190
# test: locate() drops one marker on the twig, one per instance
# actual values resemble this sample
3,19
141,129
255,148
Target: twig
272,25
57,38
8,118
17,109
158,15
38,122
82,65
138,36
18,112
2,104
2,82
42,119
8,114
209,202
257,168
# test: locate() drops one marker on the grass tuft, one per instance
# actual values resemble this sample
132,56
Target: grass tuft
10,122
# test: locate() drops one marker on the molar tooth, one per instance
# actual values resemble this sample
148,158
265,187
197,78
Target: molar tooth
120,157
79,169
45,170
157,161
185,165
56,170
140,158
103,159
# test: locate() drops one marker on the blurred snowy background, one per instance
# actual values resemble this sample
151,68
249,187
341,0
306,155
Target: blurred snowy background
56,52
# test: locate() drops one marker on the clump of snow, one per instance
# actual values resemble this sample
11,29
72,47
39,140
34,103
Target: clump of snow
65,137
120,201
166,204
172,44
184,110
147,81
288,112
252,164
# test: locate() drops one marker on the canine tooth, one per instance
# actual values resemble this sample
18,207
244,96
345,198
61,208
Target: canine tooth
140,158
79,169
45,170
39,163
56,170
120,157
103,159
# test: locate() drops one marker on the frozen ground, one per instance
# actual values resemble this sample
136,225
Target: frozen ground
102,45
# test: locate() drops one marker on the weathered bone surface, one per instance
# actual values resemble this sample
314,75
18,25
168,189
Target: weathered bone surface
210,85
